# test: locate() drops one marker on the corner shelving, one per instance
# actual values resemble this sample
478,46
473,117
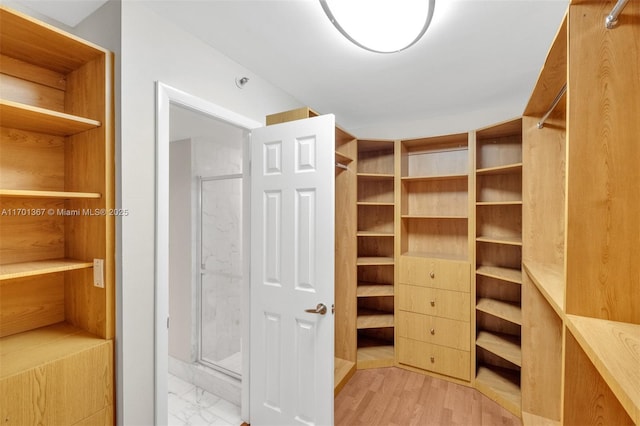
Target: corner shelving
498,274
376,253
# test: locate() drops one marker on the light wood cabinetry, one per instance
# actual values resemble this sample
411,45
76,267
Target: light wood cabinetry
434,288
581,185
57,216
376,252
498,278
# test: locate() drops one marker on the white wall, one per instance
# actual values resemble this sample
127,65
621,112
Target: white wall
180,251
154,49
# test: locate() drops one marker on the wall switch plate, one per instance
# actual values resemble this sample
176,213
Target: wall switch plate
98,273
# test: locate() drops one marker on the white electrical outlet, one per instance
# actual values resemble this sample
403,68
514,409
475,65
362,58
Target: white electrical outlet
98,273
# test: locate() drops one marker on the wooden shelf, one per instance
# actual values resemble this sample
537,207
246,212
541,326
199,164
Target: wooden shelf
414,216
376,356
370,261
434,255
19,193
369,318
550,281
435,177
41,267
504,274
500,309
34,119
614,349
499,170
375,176
499,203
503,345
343,159
343,370
529,419
512,241
374,234
501,385
370,203
24,351
374,290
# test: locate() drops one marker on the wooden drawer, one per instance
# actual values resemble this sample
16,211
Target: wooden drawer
437,273
436,358
436,330
432,301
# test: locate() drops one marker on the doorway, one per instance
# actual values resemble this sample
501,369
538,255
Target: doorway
197,331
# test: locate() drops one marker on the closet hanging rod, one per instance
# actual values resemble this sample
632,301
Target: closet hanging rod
553,106
341,166
611,20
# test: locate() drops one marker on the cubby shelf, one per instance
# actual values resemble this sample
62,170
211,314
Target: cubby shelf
504,274
374,289
503,345
513,241
375,176
19,193
374,234
342,158
370,318
456,176
416,216
499,309
500,385
499,203
40,267
371,261
35,119
499,170
373,203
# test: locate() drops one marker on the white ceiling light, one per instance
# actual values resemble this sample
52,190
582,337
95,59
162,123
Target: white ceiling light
382,26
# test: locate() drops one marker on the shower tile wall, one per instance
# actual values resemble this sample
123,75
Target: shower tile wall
221,249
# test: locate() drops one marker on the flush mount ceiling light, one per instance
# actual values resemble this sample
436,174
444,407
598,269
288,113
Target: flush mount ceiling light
382,26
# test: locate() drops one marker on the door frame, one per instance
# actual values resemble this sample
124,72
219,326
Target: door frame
165,96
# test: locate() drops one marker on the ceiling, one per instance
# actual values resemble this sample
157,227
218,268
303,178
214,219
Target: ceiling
477,54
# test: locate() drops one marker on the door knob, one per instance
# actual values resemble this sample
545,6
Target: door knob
319,309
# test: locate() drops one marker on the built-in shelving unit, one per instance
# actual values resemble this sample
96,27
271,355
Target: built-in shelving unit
433,333
498,277
56,197
376,253
580,254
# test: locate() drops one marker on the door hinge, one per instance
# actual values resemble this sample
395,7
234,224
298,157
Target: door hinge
167,322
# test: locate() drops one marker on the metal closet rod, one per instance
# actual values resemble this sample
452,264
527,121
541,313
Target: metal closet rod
612,19
553,106
341,166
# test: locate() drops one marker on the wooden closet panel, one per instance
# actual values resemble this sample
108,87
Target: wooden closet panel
30,93
26,237
28,303
44,169
603,178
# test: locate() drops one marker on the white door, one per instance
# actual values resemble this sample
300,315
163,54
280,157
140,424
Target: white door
292,264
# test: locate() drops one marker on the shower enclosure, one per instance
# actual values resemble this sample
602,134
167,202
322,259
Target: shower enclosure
220,275
206,270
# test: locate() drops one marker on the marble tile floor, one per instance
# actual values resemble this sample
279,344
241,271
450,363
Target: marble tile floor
190,405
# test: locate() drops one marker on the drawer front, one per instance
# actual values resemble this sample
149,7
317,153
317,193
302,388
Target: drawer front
436,358
436,330
437,273
432,301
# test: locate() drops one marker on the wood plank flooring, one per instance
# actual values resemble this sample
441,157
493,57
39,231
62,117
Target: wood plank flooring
397,397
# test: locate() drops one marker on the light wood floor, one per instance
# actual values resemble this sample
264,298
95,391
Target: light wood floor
397,397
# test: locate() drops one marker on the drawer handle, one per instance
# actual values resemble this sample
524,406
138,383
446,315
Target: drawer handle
432,274
433,303
432,331
433,359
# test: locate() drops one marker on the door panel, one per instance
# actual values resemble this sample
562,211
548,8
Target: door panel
292,271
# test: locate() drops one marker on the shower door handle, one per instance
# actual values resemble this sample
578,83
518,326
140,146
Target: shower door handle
320,309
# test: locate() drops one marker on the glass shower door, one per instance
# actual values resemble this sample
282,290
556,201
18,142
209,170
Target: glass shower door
220,262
